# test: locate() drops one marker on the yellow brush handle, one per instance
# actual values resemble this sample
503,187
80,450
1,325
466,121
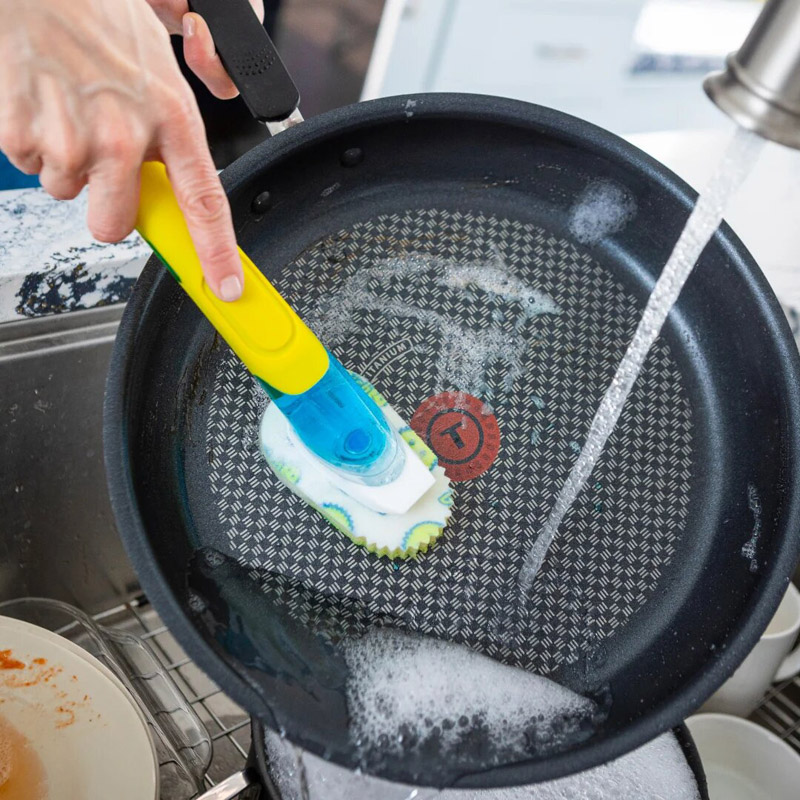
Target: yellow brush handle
261,327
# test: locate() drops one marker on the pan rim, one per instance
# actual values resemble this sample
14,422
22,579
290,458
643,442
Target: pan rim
509,112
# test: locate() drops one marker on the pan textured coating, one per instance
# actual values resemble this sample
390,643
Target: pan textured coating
431,301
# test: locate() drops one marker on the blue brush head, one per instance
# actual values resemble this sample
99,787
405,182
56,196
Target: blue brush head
338,422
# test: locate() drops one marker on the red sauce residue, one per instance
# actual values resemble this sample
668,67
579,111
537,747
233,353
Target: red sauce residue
67,715
33,676
40,673
8,662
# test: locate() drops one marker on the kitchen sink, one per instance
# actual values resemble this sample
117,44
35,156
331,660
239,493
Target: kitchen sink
58,537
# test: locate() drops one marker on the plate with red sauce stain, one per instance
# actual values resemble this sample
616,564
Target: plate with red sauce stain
68,727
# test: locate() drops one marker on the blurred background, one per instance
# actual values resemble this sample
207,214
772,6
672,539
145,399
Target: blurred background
634,67
631,66
628,65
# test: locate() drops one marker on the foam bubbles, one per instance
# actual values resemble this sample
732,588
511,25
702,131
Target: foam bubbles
656,771
749,549
604,207
412,693
465,355
498,282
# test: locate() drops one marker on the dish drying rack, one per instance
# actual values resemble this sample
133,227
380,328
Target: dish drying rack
227,724
202,737
779,712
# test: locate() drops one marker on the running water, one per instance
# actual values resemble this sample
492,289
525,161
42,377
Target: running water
734,166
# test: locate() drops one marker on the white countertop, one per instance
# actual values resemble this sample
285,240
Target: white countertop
49,262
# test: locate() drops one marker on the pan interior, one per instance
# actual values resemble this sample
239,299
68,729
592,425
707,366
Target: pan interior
431,300
451,258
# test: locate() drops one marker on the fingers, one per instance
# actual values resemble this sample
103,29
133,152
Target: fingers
41,133
170,12
63,146
29,164
114,178
202,58
202,200
113,202
16,137
61,184
258,7
201,55
19,145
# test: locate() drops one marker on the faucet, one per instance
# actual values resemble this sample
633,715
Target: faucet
760,85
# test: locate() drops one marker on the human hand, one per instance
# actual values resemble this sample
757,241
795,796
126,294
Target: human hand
90,89
198,45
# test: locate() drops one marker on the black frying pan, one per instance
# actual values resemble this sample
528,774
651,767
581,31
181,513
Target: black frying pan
672,560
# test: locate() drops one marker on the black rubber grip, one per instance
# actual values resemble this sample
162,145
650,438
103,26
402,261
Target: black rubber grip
250,58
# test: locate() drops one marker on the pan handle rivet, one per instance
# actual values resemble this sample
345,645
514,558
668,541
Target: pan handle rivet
261,203
352,157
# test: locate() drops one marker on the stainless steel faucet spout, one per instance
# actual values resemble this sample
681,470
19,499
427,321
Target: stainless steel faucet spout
760,86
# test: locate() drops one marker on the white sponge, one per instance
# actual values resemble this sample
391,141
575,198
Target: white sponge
364,513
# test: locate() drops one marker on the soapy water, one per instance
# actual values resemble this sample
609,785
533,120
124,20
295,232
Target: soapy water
465,354
656,771
749,548
413,694
700,227
604,207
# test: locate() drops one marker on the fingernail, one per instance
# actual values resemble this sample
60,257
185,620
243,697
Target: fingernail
230,288
189,25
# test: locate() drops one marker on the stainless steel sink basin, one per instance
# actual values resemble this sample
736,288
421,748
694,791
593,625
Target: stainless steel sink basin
57,536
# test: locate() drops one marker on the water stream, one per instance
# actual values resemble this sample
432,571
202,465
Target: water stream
705,218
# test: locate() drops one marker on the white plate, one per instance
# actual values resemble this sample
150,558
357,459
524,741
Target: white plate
744,761
90,736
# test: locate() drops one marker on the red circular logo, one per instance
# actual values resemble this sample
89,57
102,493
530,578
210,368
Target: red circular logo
462,432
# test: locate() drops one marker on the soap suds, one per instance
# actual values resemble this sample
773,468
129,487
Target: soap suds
415,693
749,548
465,354
656,771
498,282
604,207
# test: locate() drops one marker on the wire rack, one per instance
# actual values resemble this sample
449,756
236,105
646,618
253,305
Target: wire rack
227,724
779,712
